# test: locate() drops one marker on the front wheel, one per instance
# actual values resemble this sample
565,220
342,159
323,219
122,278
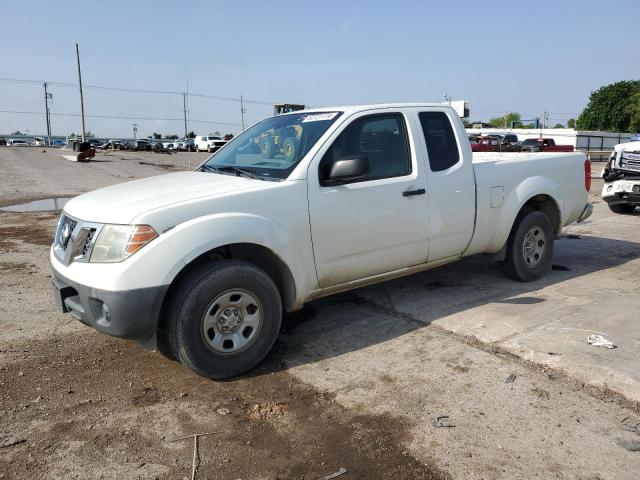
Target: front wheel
224,318
529,247
622,208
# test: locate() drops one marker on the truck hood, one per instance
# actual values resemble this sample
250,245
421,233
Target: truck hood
123,202
628,147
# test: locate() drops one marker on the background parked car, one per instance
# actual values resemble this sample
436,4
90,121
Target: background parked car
209,143
96,143
38,141
169,144
17,142
142,145
544,145
126,145
507,142
186,144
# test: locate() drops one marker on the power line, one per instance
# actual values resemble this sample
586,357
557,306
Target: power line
134,90
121,117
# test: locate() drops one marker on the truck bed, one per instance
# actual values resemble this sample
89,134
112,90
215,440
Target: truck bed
502,180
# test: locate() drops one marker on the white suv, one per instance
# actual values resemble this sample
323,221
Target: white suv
209,143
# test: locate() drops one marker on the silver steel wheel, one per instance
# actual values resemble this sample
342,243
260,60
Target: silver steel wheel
232,322
534,246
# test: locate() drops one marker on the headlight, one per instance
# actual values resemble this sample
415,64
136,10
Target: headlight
117,242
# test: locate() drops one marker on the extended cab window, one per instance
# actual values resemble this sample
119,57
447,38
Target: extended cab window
382,139
440,139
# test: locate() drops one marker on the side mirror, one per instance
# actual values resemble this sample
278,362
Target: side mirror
345,169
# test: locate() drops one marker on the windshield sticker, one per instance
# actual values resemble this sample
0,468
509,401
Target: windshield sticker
319,117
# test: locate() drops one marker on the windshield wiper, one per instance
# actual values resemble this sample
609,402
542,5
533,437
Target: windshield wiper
232,169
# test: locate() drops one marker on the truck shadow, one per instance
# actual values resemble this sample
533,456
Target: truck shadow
368,316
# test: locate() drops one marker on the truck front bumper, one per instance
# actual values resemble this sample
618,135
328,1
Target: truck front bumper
130,314
622,192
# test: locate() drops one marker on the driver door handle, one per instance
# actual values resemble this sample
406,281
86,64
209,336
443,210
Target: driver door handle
411,193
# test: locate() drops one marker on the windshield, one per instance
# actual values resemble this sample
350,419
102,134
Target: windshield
273,147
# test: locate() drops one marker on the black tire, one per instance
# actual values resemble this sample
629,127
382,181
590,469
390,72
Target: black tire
187,312
267,147
290,148
622,208
518,265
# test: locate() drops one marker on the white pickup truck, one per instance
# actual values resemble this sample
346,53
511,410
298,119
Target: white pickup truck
205,262
621,189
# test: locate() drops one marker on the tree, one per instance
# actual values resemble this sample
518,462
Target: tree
17,132
571,123
171,137
614,107
157,136
558,125
191,134
506,120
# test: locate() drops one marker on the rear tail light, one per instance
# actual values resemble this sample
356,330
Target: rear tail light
587,174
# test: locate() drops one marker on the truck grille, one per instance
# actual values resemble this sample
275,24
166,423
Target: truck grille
74,239
630,161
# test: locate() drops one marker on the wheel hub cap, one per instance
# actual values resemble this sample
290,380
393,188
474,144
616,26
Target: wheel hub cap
232,322
534,246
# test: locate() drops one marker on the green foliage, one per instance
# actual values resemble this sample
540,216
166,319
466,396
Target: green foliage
191,134
614,107
558,125
157,136
505,120
171,137
634,110
571,123
18,132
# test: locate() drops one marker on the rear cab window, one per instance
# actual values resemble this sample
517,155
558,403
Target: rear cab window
440,139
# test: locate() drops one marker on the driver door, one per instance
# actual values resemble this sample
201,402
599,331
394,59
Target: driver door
376,223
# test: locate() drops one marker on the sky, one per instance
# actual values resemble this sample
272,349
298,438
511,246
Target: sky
500,56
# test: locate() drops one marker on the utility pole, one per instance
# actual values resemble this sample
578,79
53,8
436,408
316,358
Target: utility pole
184,107
135,130
242,111
80,84
47,95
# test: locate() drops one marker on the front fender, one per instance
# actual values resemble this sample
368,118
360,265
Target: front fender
200,235
514,202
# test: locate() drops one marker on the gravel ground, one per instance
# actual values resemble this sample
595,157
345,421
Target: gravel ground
352,383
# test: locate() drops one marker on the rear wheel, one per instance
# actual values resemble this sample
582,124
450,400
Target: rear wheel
223,318
622,208
530,246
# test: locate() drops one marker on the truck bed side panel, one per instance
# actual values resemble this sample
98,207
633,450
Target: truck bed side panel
506,181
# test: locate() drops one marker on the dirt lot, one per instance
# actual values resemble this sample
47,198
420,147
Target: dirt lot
355,380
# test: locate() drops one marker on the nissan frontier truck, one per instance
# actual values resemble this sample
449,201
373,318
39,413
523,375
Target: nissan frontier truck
206,262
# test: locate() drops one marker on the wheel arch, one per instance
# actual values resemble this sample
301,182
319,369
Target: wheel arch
255,254
541,200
